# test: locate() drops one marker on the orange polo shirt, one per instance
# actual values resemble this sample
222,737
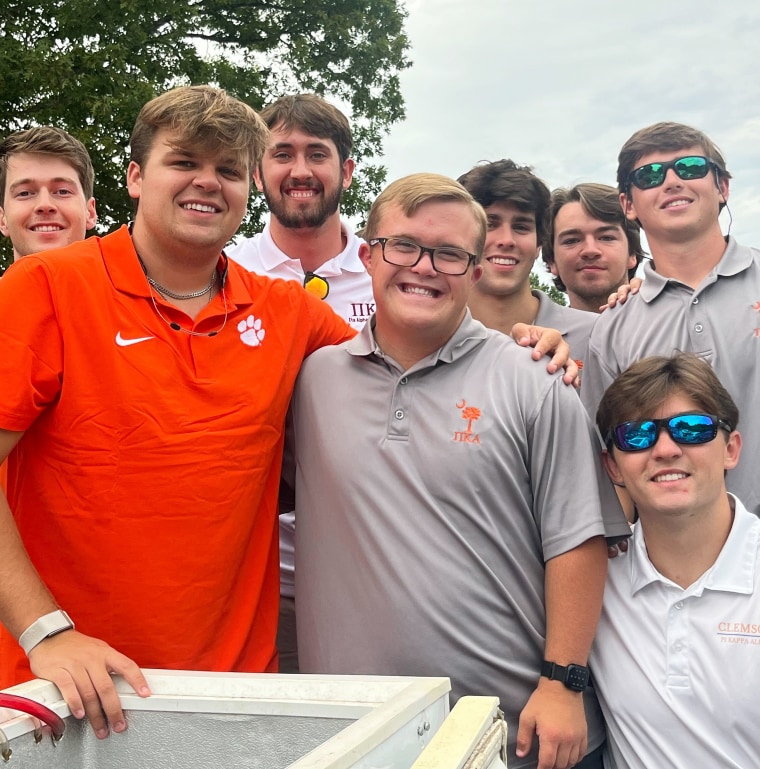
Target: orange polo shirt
145,485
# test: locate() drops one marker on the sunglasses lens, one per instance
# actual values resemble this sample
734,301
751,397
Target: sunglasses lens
692,428
648,176
653,174
687,429
635,436
692,167
316,285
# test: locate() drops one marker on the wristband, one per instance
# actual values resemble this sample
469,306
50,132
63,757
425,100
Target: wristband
46,626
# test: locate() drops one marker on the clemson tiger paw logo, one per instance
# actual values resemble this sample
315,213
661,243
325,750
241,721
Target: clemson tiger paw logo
251,332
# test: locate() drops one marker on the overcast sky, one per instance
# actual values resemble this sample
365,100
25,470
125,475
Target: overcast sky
561,85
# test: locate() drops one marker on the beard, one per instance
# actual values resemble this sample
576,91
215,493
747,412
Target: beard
312,215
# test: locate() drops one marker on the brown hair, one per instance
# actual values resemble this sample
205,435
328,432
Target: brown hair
665,137
48,140
642,388
205,115
313,115
505,181
410,192
599,201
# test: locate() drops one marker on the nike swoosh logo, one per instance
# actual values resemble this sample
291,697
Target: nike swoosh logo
127,342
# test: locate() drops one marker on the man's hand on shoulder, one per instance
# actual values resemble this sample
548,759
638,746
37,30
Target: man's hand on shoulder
81,667
556,716
548,342
623,292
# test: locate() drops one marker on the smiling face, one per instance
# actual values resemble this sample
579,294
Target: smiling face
45,206
302,178
418,309
590,256
671,479
677,209
510,251
191,199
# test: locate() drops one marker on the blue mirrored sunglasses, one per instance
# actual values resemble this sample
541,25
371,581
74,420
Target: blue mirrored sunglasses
687,429
687,168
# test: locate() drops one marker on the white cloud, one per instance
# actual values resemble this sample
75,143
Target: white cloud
561,86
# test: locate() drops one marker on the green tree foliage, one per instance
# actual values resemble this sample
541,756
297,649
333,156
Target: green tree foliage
552,291
88,66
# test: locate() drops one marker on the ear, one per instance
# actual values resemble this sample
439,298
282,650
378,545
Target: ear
552,267
626,203
611,466
92,214
348,172
134,180
3,223
723,187
257,178
477,274
733,450
631,261
365,254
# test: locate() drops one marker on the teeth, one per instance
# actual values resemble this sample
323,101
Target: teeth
200,207
670,477
302,193
47,228
505,260
674,203
418,290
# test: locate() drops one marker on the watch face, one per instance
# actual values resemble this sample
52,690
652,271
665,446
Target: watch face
576,678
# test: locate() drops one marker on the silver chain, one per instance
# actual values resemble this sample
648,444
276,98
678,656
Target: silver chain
180,297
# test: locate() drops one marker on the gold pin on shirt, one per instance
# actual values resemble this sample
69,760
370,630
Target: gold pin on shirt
316,285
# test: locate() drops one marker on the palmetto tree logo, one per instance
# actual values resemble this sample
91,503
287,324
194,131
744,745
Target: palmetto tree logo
471,414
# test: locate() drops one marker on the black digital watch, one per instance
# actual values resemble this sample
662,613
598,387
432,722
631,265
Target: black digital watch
574,677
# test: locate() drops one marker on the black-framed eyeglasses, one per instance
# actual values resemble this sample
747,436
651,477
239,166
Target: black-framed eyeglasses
688,429
686,168
403,252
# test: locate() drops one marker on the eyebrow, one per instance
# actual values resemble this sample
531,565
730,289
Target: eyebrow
30,180
414,240
521,218
596,231
310,145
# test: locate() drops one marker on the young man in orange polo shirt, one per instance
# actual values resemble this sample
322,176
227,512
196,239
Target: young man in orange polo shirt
145,383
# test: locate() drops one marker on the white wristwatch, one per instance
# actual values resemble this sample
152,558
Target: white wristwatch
46,626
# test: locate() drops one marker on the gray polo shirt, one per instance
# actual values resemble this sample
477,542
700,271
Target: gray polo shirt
574,325
428,502
720,321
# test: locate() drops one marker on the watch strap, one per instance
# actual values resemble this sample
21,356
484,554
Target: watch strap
46,626
574,677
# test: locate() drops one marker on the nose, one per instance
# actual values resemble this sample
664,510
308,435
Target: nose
45,201
590,247
502,236
300,168
207,178
425,265
672,179
665,446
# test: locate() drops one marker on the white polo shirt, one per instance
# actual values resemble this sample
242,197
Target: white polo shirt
350,286
677,671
